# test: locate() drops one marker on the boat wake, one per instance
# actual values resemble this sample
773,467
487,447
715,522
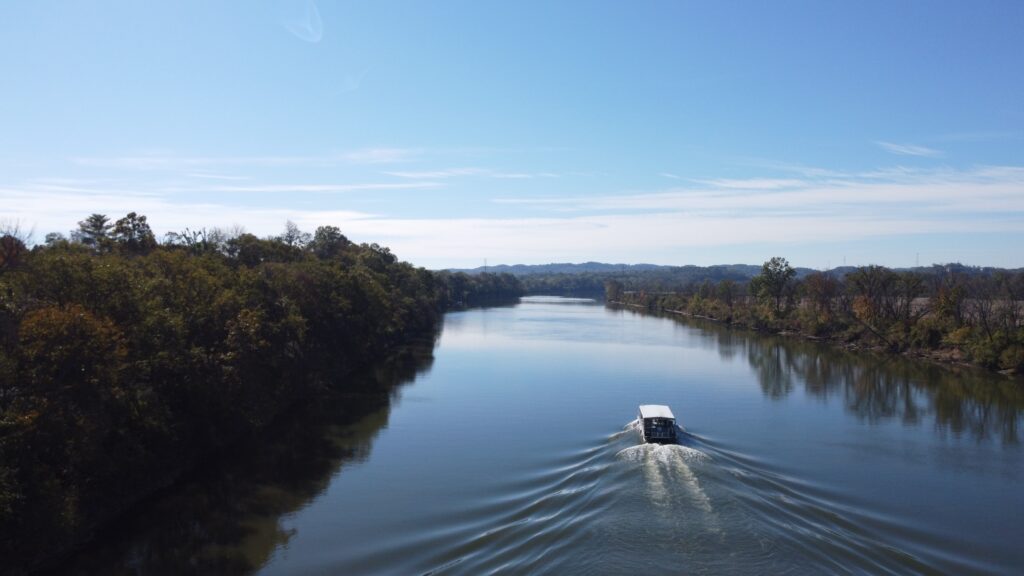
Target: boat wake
670,480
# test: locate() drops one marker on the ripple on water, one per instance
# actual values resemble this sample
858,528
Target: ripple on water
668,454
597,507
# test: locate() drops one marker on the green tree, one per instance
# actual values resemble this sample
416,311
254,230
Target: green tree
54,239
252,251
613,290
726,293
122,362
69,350
133,235
94,232
775,279
327,242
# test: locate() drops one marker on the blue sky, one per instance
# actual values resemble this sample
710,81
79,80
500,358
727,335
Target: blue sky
529,132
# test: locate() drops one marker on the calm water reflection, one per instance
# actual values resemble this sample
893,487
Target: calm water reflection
512,452
874,387
226,518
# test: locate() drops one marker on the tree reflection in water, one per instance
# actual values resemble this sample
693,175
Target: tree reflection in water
225,519
877,388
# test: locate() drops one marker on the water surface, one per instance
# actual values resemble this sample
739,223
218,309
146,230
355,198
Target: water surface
511,449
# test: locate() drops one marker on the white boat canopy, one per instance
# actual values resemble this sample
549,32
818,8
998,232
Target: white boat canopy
655,411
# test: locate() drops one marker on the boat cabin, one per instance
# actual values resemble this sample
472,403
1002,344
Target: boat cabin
657,423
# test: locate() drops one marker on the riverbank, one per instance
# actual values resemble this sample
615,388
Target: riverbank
950,357
124,365
222,517
784,438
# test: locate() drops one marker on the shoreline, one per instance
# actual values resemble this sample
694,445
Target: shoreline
951,359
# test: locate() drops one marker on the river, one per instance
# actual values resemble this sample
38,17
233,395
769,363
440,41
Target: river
505,446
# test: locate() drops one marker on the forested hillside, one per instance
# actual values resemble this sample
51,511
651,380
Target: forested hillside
659,278
589,278
951,312
125,361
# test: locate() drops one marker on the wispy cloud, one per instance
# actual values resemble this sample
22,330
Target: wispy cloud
207,176
983,189
306,25
56,204
478,172
197,163
908,149
171,162
670,176
981,136
444,173
753,183
85,189
662,237
513,175
677,224
315,188
53,210
382,155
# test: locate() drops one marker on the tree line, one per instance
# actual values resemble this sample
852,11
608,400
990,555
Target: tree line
964,403
944,311
125,361
591,282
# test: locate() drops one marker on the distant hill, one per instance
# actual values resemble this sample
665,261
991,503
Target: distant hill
589,278
558,268
938,269
739,271
733,271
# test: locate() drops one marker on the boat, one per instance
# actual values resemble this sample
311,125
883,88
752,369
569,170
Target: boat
657,423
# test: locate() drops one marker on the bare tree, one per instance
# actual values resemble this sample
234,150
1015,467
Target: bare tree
292,236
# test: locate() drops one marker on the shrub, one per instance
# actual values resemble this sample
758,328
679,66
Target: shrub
926,333
1012,358
958,337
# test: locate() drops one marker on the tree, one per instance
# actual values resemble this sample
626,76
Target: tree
1011,292
54,239
726,292
909,286
377,257
613,290
133,235
13,228
94,232
873,288
327,241
948,300
12,250
773,282
68,350
706,290
294,237
117,370
981,304
821,289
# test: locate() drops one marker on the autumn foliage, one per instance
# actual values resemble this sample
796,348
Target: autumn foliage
124,362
